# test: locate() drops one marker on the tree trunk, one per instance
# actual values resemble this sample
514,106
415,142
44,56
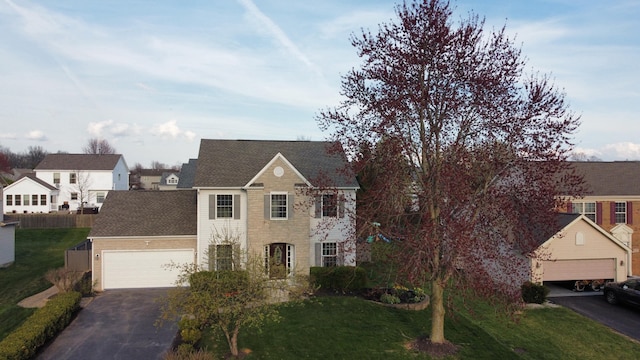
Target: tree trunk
437,312
233,344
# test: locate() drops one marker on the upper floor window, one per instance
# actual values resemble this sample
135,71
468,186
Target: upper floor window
279,206
56,178
329,205
73,178
586,208
620,212
224,206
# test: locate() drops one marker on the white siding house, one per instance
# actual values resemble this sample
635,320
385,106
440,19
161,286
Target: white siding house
83,178
30,195
7,239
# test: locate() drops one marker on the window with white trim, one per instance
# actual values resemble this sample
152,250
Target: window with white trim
329,205
329,254
100,197
34,199
72,178
18,199
224,206
621,212
74,196
25,199
9,200
56,178
279,206
586,208
43,199
221,257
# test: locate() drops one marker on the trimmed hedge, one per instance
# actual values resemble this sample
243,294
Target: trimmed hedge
42,326
533,293
339,278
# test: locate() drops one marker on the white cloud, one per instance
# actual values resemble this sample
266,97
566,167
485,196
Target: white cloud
170,130
96,129
36,135
623,151
9,136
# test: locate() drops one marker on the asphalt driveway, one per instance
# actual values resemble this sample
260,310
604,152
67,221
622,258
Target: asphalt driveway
117,324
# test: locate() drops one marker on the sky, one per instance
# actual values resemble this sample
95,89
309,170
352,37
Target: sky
154,77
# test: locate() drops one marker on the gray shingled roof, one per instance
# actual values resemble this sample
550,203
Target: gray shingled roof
147,213
79,162
233,163
39,181
617,178
187,174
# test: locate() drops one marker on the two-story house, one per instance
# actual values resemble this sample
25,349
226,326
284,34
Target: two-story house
285,201
83,179
613,201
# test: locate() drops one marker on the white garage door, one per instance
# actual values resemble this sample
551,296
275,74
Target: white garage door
142,269
589,269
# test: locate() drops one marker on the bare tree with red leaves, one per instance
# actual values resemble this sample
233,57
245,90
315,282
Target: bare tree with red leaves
485,147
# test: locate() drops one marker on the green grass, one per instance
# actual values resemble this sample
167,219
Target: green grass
37,251
351,328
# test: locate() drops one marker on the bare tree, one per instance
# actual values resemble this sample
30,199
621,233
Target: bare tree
486,147
82,184
98,147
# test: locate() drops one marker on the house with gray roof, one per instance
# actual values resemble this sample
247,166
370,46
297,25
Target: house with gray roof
30,194
83,179
286,201
612,201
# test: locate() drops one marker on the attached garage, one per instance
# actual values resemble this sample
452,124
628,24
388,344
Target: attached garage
142,269
138,233
581,250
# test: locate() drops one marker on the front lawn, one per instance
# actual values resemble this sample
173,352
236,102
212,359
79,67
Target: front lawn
351,328
37,251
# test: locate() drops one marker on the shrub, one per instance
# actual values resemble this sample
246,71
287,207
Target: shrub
339,278
534,293
387,298
65,280
42,326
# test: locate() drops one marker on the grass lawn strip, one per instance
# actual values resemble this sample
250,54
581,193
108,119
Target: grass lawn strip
37,251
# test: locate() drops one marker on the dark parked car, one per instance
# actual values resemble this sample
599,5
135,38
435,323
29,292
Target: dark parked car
623,292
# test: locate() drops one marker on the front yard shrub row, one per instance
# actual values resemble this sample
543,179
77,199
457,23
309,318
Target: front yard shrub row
40,327
339,278
533,293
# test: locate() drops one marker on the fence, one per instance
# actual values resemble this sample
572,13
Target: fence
78,258
47,221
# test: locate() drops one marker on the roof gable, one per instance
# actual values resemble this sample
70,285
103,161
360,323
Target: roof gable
34,179
276,158
79,162
567,220
147,213
234,163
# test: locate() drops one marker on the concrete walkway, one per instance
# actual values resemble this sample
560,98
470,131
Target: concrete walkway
38,300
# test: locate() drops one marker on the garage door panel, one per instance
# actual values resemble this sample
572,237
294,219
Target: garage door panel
142,269
587,269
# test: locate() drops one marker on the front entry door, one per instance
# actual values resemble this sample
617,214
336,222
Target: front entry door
278,260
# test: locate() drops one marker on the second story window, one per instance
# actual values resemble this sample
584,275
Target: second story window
620,212
224,206
72,178
56,178
278,206
586,208
329,205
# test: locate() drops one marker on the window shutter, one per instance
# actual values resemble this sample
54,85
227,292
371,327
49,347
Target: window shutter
340,254
290,203
629,213
318,247
341,207
599,213
236,207
612,212
318,213
212,207
267,207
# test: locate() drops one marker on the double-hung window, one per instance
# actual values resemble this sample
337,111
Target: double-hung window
43,199
221,257
279,206
18,199
620,212
586,208
224,206
329,254
100,197
34,199
56,178
72,178
329,205
9,200
74,196
25,199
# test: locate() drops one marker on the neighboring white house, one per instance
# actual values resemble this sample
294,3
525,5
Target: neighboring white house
83,178
29,194
168,181
265,193
7,239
